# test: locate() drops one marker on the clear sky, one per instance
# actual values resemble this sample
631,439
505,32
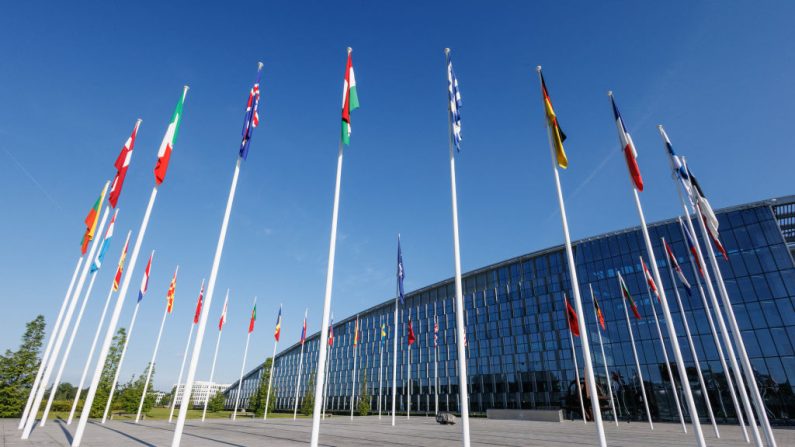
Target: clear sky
75,77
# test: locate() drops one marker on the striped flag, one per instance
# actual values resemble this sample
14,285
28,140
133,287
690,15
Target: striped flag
145,279
400,272
599,315
571,316
707,213
630,154
435,331
691,246
454,97
122,164
252,116
222,320
169,139
172,288
628,297
91,220
675,266
303,332
97,264
412,338
350,100
278,331
253,319
120,268
356,332
650,279
199,303
557,135
331,332
677,163
383,331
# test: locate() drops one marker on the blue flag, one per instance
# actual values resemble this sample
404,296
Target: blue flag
400,272
455,104
252,117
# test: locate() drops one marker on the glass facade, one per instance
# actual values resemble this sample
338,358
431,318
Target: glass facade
518,351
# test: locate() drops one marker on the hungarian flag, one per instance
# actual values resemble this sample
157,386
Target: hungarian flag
350,100
145,279
252,117
199,303
172,288
558,137
303,332
691,246
97,264
120,268
122,163
412,339
356,333
278,331
167,145
649,279
630,154
253,319
675,266
91,221
331,332
599,315
435,331
571,316
628,297
222,320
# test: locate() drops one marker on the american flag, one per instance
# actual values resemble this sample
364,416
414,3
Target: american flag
252,117
455,103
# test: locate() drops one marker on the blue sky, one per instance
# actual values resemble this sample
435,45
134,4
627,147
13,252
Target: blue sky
75,78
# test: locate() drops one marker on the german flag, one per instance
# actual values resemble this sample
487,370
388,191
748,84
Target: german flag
558,137
599,314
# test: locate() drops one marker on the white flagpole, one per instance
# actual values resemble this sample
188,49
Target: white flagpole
34,409
45,357
355,351
680,364
151,364
114,320
459,298
604,359
667,361
298,378
575,285
394,352
121,359
408,385
93,345
380,366
753,387
322,347
693,351
242,369
435,363
182,366
270,379
637,362
328,371
576,369
215,357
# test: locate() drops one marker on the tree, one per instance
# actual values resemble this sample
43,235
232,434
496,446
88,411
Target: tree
217,402
308,406
258,402
66,391
129,395
18,369
364,397
109,370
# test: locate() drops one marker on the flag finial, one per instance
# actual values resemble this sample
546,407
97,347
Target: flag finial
350,50
259,65
538,68
447,51
610,93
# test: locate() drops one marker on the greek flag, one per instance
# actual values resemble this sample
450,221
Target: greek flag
455,103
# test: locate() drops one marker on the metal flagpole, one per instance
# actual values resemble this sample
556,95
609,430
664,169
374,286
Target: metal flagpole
355,350
182,366
575,285
665,357
114,320
94,342
408,393
459,299
380,366
152,364
637,362
692,347
328,370
34,409
576,368
394,352
298,377
270,376
215,357
121,359
48,347
242,369
604,359
435,361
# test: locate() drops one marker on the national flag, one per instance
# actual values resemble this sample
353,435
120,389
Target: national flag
253,319
120,268
122,163
454,97
303,332
630,154
700,199
199,302
628,297
169,139
675,266
331,332
599,315
350,100
252,116
557,135
222,320
691,245
383,331
145,279
435,331
412,339
91,220
715,239
172,288
97,264
356,332
649,279
677,163
400,273
278,331
571,316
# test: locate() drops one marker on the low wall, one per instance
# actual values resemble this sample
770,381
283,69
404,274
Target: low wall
526,415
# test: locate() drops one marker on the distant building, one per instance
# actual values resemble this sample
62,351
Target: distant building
201,390
159,397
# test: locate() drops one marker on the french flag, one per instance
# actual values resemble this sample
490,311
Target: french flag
630,154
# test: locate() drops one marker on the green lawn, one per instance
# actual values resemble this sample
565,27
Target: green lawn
160,413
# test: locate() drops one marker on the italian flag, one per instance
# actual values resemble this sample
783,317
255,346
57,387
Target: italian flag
164,154
350,100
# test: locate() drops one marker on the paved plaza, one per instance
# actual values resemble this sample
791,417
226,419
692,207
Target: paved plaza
370,432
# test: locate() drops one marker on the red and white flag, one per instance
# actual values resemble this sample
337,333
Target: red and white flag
122,164
145,279
222,321
199,305
649,279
